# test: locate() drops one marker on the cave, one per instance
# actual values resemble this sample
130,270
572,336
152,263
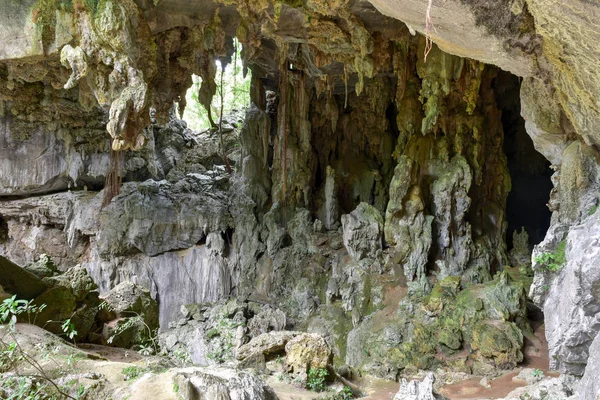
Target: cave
530,172
341,198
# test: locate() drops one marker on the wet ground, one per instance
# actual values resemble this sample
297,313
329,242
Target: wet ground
536,356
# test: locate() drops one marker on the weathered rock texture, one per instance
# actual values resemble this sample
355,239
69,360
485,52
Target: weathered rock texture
370,184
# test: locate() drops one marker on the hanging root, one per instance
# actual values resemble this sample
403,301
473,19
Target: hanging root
112,186
428,26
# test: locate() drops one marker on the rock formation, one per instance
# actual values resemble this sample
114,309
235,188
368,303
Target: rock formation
369,200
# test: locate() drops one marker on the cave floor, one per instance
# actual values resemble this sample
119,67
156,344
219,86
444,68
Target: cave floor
536,356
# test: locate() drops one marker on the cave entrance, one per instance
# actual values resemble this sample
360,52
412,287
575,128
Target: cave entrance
530,172
236,93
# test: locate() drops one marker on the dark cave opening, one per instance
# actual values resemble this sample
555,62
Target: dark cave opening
530,172
3,230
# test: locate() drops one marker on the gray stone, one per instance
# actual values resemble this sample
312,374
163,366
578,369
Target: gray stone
19,281
363,231
589,386
418,390
220,384
572,311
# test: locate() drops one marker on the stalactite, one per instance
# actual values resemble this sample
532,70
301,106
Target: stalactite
114,179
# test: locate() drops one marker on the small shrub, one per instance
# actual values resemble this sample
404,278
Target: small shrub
553,261
132,372
537,373
316,379
344,394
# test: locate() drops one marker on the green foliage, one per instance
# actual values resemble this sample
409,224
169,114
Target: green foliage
592,210
316,379
236,89
222,337
26,385
537,373
69,329
553,261
148,343
344,394
132,372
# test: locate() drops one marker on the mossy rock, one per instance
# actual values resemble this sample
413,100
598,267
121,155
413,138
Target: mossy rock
59,305
500,342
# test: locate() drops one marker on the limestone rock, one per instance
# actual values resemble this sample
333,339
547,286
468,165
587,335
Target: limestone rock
363,231
216,384
43,267
589,386
406,225
137,313
461,29
17,280
571,321
418,390
307,351
546,389
147,217
267,343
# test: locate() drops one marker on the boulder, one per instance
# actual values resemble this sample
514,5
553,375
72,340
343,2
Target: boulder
363,231
307,351
137,315
43,267
265,320
19,281
220,384
501,342
547,389
267,344
418,390
76,279
59,304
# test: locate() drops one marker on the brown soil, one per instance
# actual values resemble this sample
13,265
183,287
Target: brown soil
115,354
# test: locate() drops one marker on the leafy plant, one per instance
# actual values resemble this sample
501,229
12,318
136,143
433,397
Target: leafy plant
344,394
25,385
537,373
132,372
553,261
149,343
316,379
69,329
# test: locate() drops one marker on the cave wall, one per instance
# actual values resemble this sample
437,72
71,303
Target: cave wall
363,126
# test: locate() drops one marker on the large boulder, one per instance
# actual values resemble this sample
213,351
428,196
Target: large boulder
307,351
266,344
418,390
19,281
363,232
221,384
136,312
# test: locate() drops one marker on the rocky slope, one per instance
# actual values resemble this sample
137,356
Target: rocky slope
369,198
